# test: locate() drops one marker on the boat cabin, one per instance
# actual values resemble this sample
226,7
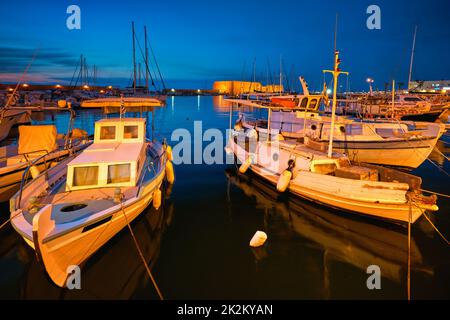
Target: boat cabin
115,159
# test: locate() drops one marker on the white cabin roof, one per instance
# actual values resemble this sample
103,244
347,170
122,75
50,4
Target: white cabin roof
119,152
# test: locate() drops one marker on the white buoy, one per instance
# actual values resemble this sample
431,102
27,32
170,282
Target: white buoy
259,238
157,196
245,165
284,180
34,171
170,174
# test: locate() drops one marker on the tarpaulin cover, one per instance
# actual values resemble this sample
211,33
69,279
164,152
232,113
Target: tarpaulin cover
37,138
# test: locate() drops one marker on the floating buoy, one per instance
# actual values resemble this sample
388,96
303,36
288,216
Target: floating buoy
34,171
245,165
259,238
157,195
170,174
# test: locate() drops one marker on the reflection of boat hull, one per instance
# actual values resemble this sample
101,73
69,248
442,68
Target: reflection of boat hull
117,272
354,241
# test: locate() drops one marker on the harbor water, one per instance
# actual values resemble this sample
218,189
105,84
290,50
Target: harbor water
197,243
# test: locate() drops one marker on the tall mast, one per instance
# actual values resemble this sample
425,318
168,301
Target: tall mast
281,80
134,58
336,72
146,59
412,57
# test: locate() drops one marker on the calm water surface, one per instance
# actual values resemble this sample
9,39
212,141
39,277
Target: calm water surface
197,243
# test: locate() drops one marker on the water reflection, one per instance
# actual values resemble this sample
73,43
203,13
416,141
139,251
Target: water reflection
339,237
116,271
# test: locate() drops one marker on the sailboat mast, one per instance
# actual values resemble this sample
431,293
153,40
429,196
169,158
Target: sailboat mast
281,80
146,59
412,57
393,97
134,58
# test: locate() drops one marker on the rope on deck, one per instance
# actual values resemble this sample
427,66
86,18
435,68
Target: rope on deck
141,254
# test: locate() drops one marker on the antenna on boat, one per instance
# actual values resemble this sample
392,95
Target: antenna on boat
412,57
336,73
335,31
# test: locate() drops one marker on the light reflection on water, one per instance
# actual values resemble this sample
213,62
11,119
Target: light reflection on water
197,245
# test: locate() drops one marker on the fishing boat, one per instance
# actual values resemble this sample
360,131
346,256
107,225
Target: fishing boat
67,213
384,142
40,145
330,178
11,117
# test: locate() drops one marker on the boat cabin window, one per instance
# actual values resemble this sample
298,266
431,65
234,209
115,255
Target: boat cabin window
130,132
85,176
118,173
412,99
304,103
108,133
312,104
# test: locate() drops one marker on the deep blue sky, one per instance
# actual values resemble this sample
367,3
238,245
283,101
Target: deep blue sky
197,42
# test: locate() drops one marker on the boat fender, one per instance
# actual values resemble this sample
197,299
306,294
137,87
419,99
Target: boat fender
34,171
238,125
285,177
169,153
118,195
170,173
245,165
258,239
157,196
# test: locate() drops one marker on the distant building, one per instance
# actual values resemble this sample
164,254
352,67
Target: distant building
235,88
430,86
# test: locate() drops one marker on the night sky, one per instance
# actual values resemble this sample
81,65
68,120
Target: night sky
197,42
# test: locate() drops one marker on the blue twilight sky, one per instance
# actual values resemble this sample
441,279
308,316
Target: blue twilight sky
197,42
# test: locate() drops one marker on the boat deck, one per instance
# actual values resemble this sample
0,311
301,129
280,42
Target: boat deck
70,206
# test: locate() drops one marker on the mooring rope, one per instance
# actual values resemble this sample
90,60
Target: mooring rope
141,255
436,193
437,230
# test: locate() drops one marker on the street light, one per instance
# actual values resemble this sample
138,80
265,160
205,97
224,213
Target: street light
370,81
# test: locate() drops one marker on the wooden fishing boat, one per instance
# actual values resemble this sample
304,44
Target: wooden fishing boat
329,177
127,102
40,145
67,213
11,117
384,142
